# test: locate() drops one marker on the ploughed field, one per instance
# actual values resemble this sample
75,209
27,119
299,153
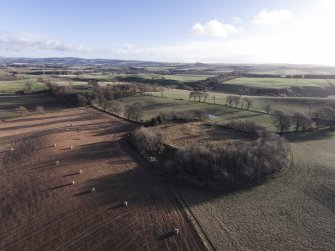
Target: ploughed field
42,210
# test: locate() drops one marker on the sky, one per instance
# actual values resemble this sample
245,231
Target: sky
209,31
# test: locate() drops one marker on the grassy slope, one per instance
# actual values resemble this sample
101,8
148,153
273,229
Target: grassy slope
179,77
292,212
278,82
287,104
19,85
152,106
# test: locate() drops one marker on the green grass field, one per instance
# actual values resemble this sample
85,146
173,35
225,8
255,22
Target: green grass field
152,106
177,77
292,212
278,82
19,85
286,104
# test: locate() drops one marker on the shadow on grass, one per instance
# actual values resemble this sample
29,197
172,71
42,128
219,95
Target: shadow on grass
309,136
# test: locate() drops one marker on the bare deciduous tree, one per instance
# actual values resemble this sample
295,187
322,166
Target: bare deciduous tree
281,121
134,111
115,107
213,99
249,102
205,95
232,99
302,121
192,95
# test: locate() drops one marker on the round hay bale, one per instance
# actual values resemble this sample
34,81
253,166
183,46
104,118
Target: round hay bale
176,231
81,172
12,149
71,147
57,162
54,145
67,128
125,203
92,189
72,182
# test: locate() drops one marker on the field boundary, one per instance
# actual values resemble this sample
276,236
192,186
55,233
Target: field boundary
194,221
112,114
188,212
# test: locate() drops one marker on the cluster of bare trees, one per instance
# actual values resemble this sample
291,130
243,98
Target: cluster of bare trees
199,95
298,120
134,111
232,165
115,107
147,142
184,116
236,100
67,94
247,126
115,91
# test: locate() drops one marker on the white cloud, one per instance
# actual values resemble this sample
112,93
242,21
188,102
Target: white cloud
237,20
273,17
214,28
25,41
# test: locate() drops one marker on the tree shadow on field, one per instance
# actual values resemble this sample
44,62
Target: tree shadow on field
45,117
59,186
166,236
94,151
118,129
44,166
83,118
310,136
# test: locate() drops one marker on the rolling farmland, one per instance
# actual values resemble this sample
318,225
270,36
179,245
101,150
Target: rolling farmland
42,209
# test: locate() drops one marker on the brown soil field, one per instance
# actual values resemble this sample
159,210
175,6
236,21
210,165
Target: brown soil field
42,210
183,134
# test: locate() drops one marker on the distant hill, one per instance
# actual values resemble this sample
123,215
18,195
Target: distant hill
198,67
75,61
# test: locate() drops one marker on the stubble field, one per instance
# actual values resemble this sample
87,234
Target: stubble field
42,210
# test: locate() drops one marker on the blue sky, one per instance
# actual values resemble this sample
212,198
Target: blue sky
256,31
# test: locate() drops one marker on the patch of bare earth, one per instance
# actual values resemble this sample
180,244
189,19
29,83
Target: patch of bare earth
41,209
183,134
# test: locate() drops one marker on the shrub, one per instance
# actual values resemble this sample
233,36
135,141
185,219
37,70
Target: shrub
39,109
147,142
248,127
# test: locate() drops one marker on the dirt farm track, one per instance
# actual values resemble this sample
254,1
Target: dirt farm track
40,208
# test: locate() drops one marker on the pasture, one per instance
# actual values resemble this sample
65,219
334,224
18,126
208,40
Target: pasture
277,83
154,105
20,85
292,212
286,104
65,183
